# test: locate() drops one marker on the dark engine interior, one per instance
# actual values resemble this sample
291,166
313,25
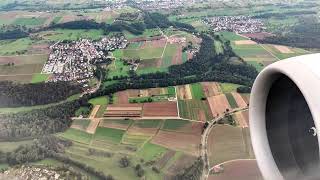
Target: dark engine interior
290,131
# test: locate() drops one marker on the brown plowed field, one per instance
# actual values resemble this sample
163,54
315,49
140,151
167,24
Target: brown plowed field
239,170
187,143
177,58
246,98
211,88
184,92
91,129
218,104
240,102
123,110
123,97
159,43
156,109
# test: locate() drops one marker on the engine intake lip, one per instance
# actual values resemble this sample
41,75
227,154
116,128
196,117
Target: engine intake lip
302,71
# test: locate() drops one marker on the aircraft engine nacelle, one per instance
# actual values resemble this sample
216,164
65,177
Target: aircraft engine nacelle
285,119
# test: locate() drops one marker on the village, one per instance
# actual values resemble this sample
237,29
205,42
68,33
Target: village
74,61
237,24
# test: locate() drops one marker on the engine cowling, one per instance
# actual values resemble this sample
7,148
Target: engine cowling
285,119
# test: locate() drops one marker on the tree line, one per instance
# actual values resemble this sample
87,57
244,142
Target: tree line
17,95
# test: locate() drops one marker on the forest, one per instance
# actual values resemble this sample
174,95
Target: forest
38,122
17,95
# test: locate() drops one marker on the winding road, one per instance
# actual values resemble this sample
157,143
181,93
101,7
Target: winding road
204,142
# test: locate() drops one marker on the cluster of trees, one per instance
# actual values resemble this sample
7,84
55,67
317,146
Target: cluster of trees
305,34
16,95
13,34
193,172
39,149
39,121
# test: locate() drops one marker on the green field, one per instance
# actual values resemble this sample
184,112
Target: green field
134,45
13,47
218,47
184,57
171,91
151,152
109,134
56,19
197,91
37,78
102,100
231,100
76,135
117,68
146,53
101,111
147,33
190,109
29,21
174,124
147,123
169,52
278,54
231,36
68,34
228,87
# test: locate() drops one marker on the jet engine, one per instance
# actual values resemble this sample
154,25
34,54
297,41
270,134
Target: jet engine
285,119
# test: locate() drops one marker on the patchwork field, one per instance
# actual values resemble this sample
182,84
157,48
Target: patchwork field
226,143
242,119
195,109
116,124
219,105
211,88
283,52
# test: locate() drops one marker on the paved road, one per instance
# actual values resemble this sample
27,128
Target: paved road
204,142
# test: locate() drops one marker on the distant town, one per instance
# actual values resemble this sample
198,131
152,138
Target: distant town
237,24
73,61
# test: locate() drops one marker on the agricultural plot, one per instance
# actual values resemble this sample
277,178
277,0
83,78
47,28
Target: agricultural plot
80,124
146,34
14,47
147,123
168,109
283,52
37,78
29,21
195,109
253,52
228,87
67,34
151,151
116,124
211,88
146,53
76,136
118,68
123,110
231,100
197,91
226,143
219,105
103,100
241,169
187,143
108,135
231,36
150,95
183,126
242,119
184,92
257,65
241,103
136,140
168,56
